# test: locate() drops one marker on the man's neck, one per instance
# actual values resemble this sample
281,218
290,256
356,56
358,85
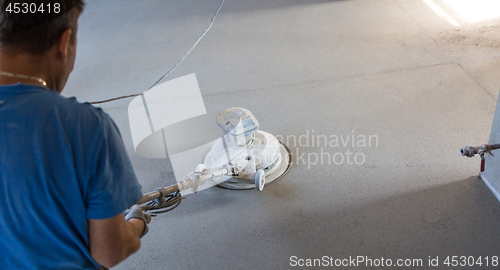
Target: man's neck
24,64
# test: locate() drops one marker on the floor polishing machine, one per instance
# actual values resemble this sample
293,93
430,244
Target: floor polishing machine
243,158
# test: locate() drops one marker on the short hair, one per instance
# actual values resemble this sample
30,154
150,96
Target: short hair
33,31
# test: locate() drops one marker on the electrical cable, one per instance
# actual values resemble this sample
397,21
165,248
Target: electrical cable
175,66
167,203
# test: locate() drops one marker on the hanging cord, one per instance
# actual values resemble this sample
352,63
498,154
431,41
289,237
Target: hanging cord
173,68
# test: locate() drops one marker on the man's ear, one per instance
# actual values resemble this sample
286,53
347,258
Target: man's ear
64,43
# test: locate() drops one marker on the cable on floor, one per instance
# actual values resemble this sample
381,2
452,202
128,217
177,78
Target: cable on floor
173,68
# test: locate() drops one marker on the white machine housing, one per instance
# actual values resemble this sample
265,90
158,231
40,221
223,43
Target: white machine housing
258,156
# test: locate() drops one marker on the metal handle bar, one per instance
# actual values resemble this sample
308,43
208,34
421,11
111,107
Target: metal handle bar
193,181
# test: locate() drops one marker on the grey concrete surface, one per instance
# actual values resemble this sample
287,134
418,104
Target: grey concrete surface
393,69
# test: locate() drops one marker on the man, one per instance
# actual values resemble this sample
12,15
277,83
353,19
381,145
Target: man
65,177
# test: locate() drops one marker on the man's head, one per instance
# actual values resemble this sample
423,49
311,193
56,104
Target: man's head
43,28
36,32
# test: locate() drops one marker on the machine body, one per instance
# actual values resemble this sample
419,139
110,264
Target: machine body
243,158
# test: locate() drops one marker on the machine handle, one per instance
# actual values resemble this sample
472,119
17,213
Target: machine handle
191,182
158,193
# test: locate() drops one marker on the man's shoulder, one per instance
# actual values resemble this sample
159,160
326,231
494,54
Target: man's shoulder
45,101
81,119
80,112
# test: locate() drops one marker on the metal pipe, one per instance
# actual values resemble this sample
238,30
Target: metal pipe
193,181
470,151
158,193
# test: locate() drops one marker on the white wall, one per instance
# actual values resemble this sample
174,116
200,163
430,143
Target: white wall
491,174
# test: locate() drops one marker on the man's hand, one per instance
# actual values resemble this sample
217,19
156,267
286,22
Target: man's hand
136,212
112,240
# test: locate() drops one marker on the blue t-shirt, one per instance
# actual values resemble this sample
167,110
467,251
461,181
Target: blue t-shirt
61,163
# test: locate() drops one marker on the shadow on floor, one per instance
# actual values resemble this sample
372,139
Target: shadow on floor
461,218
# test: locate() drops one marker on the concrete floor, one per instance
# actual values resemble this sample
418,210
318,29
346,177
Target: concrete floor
390,68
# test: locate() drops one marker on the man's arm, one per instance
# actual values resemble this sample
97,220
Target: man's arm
112,240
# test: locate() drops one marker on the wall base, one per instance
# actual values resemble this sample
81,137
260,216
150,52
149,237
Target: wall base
493,190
